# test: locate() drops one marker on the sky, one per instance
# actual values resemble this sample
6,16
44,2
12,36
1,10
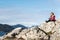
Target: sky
27,12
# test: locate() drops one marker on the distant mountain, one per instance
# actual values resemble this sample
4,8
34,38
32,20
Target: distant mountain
5,28
2,33
8,28
19,25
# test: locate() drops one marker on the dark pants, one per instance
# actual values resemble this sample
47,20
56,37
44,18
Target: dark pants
50,21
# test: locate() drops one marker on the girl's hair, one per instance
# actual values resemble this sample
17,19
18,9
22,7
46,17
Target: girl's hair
52,13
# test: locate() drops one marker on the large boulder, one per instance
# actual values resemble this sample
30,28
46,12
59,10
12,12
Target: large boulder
44,31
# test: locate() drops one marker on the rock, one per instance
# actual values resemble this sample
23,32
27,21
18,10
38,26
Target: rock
15,31
44,31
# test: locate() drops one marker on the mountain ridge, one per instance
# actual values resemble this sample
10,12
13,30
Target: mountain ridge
5,28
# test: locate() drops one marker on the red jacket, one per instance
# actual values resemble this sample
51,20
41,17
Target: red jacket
52,17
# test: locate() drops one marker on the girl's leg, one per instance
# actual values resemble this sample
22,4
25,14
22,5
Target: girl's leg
47,21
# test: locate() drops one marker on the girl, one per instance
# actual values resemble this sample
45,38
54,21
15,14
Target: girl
52,17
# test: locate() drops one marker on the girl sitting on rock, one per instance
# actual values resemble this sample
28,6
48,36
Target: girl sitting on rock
52,18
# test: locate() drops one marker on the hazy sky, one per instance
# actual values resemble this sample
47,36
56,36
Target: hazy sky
27,12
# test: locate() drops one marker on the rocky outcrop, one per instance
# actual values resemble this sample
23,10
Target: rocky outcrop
44,31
